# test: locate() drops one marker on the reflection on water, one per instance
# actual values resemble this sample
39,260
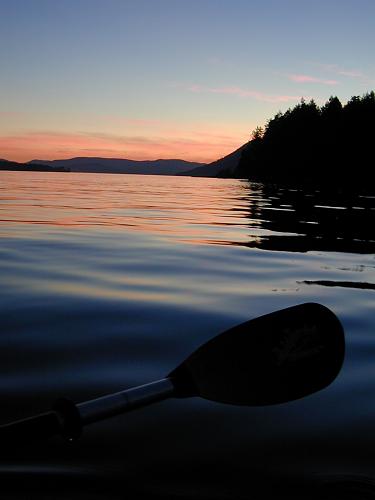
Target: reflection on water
109,281
303,220
178,206
195,210
345,284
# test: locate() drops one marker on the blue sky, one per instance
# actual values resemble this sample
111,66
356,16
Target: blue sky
165,78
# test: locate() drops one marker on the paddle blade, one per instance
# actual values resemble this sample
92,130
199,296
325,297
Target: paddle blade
272,359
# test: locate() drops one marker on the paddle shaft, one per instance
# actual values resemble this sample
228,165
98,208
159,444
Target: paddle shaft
67,419
123,401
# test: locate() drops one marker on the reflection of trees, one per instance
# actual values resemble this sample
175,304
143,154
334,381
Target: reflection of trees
312,220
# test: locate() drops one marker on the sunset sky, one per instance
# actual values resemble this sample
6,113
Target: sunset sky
147,79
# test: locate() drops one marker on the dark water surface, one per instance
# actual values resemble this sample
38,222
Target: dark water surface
109,281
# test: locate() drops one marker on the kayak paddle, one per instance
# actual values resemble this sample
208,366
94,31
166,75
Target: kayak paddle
272,359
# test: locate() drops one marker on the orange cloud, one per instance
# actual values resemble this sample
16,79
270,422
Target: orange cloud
51,145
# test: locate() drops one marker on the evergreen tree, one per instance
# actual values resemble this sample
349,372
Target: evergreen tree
331,145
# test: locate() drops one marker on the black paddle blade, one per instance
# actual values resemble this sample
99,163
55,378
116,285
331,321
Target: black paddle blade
272,359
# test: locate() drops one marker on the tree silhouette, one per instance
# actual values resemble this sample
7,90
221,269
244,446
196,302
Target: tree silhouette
328,146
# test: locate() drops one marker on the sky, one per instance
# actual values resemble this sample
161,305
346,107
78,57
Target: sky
148,79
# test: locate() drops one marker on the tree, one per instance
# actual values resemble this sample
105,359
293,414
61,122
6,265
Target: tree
332,108
257,134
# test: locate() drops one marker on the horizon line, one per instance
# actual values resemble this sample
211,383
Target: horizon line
109,158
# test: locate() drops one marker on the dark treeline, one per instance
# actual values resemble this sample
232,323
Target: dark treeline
332,145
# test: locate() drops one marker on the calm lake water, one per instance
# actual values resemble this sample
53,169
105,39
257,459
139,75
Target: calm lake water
109,281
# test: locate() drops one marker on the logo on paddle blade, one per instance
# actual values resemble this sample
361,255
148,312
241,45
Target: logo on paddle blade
297,345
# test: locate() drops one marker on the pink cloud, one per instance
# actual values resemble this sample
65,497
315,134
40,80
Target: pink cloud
311,79
240,92
353,74
133,122
214,60
350,73
11,114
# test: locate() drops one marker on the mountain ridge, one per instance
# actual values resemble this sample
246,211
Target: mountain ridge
121,165
223,167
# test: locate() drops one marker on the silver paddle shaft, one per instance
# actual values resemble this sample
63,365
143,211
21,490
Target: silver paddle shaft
123,401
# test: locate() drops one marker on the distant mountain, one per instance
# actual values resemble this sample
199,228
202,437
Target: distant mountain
224,167
121,165
35,167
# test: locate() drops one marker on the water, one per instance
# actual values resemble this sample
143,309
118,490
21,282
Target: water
109,281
